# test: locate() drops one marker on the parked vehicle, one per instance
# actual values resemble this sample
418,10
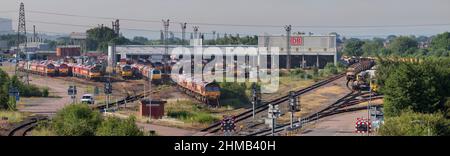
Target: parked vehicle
88,99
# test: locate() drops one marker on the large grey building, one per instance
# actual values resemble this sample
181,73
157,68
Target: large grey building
5,26
305,51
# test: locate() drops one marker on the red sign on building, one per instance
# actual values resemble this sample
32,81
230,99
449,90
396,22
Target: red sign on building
296,41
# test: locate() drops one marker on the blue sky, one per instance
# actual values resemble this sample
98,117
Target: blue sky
360,18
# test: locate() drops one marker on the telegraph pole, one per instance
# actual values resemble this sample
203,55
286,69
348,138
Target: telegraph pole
166,46
288,29
193,54
116,27
196,32
183,33
34,33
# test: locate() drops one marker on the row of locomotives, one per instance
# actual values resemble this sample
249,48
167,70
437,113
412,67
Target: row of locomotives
90,72
207,92
148,73
357,68
63,69
46,68
125,71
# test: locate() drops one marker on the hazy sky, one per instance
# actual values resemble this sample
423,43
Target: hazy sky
418,17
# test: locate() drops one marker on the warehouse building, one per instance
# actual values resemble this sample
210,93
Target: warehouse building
306,50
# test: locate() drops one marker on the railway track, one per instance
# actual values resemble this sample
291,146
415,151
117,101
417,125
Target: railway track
26,126
340,106
124,100
249,113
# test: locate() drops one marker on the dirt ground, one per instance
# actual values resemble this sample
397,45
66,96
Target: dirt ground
317,99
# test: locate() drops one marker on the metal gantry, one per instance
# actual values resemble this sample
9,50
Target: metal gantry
183,33
21,34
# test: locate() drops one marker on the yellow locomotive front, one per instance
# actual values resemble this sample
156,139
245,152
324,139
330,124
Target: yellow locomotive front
95,72
156,76
50,69
126,71
212,91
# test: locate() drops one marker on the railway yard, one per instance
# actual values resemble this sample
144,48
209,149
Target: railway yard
329,96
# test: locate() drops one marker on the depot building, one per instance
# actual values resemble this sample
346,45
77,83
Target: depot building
305,50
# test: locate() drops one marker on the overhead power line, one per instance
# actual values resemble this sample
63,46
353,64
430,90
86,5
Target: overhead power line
245,25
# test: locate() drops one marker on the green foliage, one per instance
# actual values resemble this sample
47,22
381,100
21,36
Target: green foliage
45,92
353,47
230,39
98,38
418,87
11,39
27,90
441,41
403,45
113,126
416,124
140,40
198,117
4,83
372,47
231,90
330,69
76,120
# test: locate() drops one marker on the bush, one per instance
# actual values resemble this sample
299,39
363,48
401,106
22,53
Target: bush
45,92
416,124
4,83
420,87
230,90
76,120
113,126
330,69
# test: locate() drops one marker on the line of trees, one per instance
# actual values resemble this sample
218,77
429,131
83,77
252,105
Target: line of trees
400,46
417,96
25,90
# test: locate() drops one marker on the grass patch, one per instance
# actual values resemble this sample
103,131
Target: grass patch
190,112
13,117
43,129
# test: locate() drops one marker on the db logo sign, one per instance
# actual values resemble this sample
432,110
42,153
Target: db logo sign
296,41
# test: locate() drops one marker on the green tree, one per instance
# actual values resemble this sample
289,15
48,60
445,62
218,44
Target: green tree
330,69
419,87
416,124
4,85
403,45
76,120
441,41
140,40
99,37
113,126
372,47
353,47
